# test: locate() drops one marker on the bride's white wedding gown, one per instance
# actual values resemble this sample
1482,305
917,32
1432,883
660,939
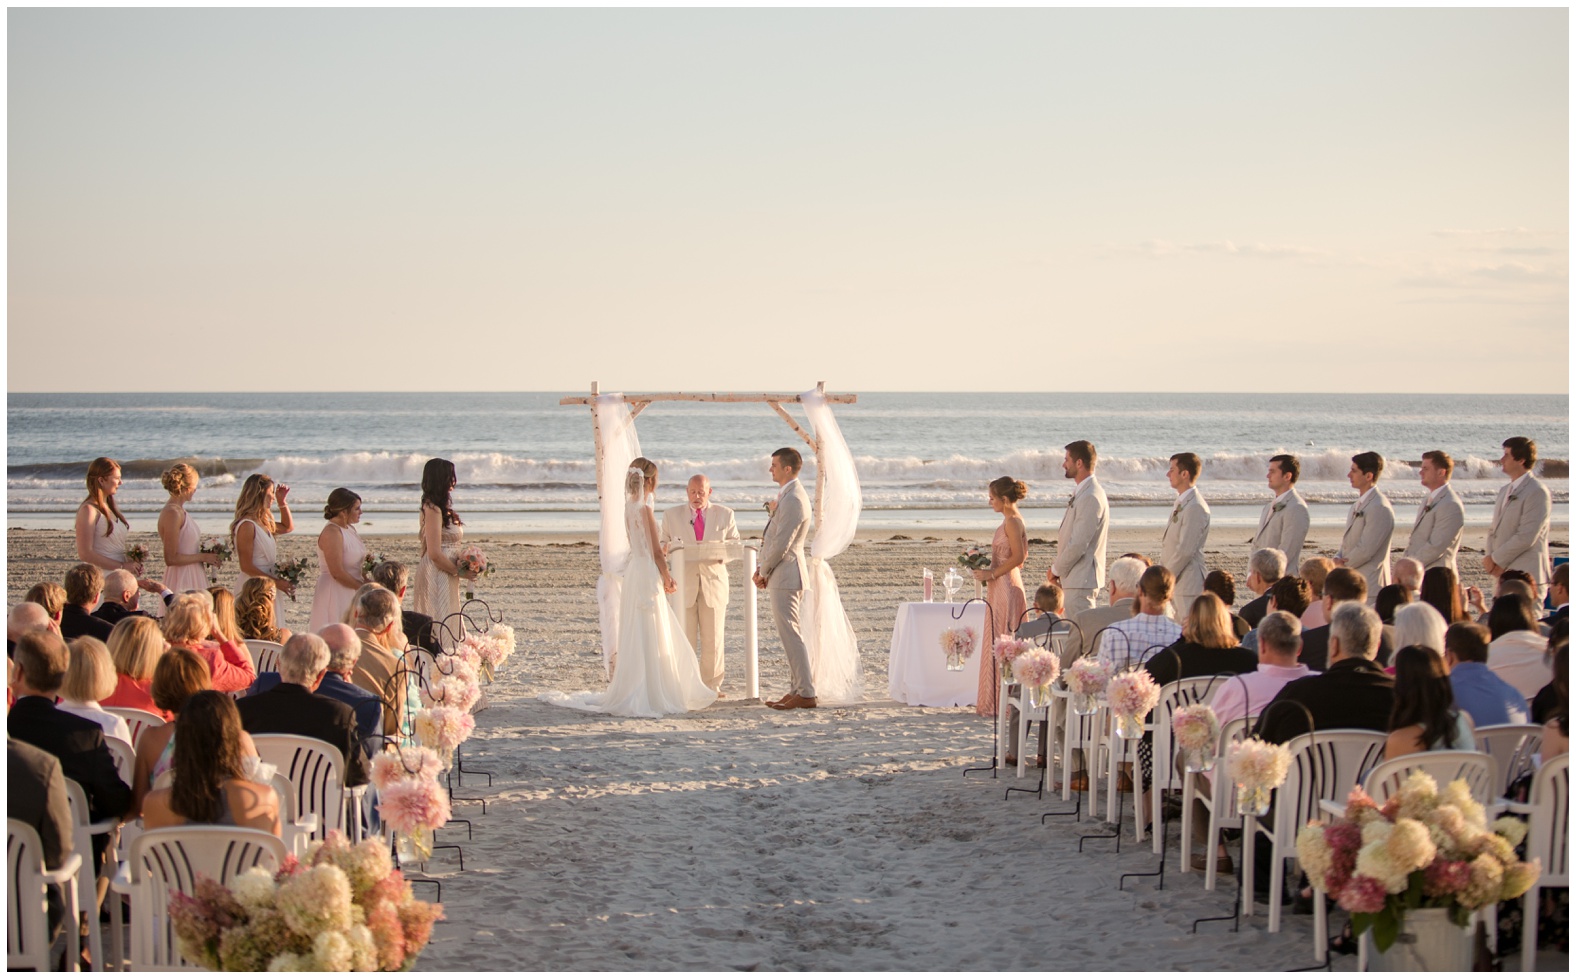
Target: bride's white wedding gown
656,671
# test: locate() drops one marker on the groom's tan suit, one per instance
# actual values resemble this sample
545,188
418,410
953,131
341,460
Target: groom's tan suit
786,572
705,582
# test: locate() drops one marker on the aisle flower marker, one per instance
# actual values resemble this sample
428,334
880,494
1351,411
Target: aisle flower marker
1086,681
1037,669
958,644
1258,768
410,800
1007,649
1132,695
1197,733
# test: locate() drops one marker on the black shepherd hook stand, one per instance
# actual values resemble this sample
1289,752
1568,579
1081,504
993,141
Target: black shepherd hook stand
394,850
987,648
471,608
1052,630
1112,761
399,680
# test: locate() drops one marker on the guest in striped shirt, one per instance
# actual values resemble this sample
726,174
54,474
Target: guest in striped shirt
1134,640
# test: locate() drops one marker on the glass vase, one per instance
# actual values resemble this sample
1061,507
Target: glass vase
1253,800
1197,760
415,846
1039,696
1084,704
1006,672
1129,726
955,662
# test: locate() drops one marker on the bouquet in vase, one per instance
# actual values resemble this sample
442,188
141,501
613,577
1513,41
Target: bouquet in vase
1132,695
1008,649
491,649
369,562
293,570
958,644
1422,849
1258,768
444,729
219,546
1086,680
410,800
1196,730
472,560
345,908
1037,669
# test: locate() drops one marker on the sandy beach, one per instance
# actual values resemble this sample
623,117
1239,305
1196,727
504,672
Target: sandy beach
744,838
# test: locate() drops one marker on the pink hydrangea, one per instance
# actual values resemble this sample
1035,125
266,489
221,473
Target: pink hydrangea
1445,878
1363,895
412,804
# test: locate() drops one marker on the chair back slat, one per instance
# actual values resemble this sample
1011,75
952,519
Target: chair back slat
1548,832
1476,767
1512,746
125,758
316,772
27,914
1324,765
137,720
1176,695
265,655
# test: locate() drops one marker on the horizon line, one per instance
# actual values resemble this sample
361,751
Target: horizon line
561,391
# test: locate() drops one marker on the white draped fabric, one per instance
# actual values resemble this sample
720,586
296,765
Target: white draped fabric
620,446
829,637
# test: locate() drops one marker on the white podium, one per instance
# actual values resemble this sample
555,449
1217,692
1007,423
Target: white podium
726,551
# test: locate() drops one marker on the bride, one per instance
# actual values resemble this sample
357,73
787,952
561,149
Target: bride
655,671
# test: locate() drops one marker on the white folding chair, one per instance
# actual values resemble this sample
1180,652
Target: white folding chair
1548,841
1115,752
1080,735
125,757
1325,765
167,861
316,773
83,829
1477,768
1164,775
27,938
295,830
1220,802
1513,746
265,655
137,720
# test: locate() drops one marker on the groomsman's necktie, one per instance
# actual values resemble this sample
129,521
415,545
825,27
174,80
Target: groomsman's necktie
700,525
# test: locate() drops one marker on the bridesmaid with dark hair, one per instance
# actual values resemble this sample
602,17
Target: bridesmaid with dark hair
437,584
1003,583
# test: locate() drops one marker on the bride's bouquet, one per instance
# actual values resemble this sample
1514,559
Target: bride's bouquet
472,560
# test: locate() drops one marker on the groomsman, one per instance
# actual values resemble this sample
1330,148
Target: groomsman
705,581
1370,524
1284,522
1182,544
1518,536
1079,567
1436,532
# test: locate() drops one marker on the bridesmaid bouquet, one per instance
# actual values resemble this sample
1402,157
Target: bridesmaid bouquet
219,546
369,562
293,570
975,559
136,553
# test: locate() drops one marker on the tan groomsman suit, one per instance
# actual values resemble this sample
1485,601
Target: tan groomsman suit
1370,525
1284,526
1518,536
705,582
1182,548
1436,532
1080,546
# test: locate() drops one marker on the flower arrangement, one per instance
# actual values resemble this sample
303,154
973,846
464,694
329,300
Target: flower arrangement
958,644
1037,667
490,649
443,729
1132,694
1006,650
1196,728
1087,677
1423,849
410,800
975,558
136,553
472,561
1258,768
344,908
293,570
369,562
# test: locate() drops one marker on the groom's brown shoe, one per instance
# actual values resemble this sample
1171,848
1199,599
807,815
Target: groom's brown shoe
793,701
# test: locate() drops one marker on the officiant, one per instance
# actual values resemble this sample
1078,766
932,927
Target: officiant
705,579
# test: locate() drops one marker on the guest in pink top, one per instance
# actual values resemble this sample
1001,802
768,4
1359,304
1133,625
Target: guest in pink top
1004,583
135,646
1280,640
191,625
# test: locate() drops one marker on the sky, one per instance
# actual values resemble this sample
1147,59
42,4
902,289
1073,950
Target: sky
752,200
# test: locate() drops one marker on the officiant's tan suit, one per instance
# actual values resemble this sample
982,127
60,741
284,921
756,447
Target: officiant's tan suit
705,581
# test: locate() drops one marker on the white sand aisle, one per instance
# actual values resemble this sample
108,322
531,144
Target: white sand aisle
839,839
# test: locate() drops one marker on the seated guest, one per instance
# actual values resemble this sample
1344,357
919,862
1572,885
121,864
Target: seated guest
417,627
1207,646
1556,693
1514,581
1518,653
375,612
1047,609
1559,594
1223,586
37,672
1352,692
120,597
49,595
1048,603
1289,594
1121,588
1266,566
1485,697
180,676
254,611
1133,640
1442,590
1341,586
1390,598
209,784
344,649
84,588
1408,572
191,625
136,644
1419,625
89,679
225,626
1314,571
293,706
1425,717
36,795
26,617
1280,640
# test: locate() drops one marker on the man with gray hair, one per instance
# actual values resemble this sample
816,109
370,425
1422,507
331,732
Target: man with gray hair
1266,566
417,627
120,597
1408,573
294,707
344,649
1353,692
1280,640
26,617
1121,587
376,613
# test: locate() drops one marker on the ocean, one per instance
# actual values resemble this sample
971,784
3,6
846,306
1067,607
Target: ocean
525,463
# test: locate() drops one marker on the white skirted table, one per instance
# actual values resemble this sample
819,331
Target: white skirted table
917,671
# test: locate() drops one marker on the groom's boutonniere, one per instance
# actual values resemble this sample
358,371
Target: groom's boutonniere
1512,498
770,506
1277,508
1359,514
1175,511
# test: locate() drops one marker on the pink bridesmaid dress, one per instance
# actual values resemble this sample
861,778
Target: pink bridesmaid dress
1007,604
186,577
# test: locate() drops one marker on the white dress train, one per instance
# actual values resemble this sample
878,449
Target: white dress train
655,672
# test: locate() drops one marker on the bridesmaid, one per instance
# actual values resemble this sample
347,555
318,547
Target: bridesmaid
253,530
1004,583
437,576
183,559
340,552
101,527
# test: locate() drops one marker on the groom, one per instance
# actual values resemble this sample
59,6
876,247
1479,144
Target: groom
782,573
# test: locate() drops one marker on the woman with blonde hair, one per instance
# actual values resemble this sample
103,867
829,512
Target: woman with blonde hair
1208,646
253,531
340,552
136,645
191,624
184,560
1314,571
224,614
90,678
254,611
50,595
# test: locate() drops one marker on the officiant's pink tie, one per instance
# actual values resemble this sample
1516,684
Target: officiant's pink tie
700,525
